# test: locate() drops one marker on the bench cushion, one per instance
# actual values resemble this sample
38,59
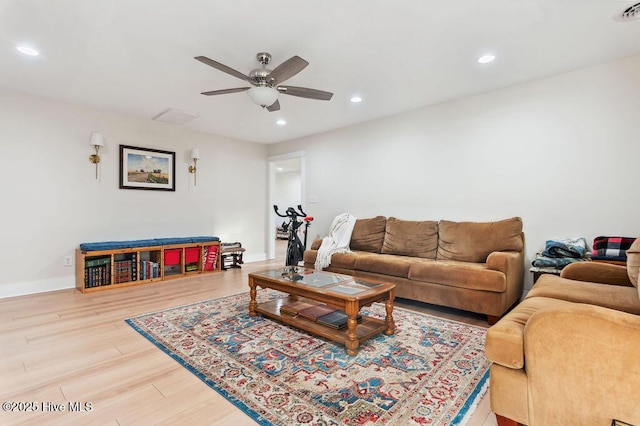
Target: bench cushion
115,245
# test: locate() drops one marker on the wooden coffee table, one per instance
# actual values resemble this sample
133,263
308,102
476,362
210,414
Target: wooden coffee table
343,292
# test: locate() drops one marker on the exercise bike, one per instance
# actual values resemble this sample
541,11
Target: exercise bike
295,247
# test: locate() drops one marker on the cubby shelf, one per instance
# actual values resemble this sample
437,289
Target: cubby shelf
115,268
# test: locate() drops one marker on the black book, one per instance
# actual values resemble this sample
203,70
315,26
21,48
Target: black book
336,319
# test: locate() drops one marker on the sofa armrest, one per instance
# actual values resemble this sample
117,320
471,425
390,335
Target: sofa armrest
511,264
597,272
581,364
316,244
504,260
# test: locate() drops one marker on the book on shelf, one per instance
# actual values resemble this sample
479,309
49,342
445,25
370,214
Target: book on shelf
97,261
210,257
134,266
337,319
294,307
315,311
96,276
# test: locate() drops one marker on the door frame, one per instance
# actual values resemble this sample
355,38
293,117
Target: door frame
271,215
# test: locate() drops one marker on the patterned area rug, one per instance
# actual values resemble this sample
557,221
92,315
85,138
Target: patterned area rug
431,372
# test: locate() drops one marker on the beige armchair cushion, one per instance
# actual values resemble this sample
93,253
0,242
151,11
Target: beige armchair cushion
474,241
411,238
368,234
633,263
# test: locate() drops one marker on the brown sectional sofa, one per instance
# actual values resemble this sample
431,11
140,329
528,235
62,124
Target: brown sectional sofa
568,353
473,266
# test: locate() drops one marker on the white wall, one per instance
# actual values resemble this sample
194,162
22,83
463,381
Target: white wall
562,153
287,192
51,201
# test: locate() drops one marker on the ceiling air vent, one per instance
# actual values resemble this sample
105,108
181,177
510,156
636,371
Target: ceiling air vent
175,116
629,14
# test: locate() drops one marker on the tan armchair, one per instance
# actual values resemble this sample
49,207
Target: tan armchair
569,353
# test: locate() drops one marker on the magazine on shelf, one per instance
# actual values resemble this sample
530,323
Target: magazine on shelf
294,307
316,311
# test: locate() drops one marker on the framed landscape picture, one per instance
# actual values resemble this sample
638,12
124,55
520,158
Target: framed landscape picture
145,168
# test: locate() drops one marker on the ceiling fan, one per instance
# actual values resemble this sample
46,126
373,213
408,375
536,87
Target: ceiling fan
265,83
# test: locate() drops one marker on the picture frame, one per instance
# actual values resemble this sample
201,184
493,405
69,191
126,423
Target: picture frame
146,168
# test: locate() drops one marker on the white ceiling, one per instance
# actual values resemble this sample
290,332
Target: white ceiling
136,57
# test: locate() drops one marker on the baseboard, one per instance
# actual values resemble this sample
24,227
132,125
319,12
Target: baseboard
41,286
63,283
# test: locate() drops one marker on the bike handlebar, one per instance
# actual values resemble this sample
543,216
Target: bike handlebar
291,212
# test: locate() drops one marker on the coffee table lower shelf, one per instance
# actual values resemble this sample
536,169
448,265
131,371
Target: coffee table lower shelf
366,328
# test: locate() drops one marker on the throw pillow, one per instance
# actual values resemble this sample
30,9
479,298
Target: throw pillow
474,241
633,263
368,234
411,238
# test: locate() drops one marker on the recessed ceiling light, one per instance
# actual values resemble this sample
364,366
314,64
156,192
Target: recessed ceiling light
356,99
281,122
27,50
486,59
280,169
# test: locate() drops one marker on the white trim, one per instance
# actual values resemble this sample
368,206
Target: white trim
286,156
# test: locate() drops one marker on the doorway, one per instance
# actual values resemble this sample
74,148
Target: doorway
286,189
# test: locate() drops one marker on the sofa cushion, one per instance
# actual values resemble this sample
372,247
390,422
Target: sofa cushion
621,298
338,260
387,264
633,262
474,241
466,275
411,238
368,234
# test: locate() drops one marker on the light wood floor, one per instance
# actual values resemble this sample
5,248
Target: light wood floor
66,346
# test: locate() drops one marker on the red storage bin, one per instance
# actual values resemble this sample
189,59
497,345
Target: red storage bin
191,255
172,257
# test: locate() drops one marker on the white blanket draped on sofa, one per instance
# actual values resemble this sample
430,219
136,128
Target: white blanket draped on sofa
337,241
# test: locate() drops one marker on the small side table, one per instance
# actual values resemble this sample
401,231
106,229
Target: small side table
231,254
537,271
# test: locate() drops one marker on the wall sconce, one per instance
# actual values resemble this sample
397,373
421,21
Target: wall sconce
96,141
195,155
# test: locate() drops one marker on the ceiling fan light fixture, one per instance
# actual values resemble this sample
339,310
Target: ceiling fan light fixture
263,96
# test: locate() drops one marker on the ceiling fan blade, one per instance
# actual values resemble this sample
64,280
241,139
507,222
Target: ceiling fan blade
224,68
225,91
305,92
287,69
274,107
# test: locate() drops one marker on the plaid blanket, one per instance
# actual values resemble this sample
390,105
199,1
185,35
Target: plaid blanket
611,246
